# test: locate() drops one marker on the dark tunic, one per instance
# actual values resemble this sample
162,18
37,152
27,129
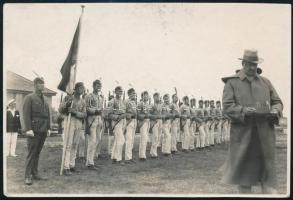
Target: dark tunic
13,122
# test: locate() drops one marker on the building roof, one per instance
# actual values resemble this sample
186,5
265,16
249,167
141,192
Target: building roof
21,84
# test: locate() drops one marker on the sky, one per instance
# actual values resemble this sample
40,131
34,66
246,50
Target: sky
153,47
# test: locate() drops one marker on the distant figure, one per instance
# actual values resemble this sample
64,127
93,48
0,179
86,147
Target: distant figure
253,105
12,127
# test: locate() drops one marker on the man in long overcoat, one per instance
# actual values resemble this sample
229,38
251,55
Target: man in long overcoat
253,105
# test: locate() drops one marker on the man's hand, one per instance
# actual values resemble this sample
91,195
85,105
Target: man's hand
249,111
30,133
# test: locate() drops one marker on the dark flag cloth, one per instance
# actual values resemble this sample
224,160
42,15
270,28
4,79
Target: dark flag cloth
67,83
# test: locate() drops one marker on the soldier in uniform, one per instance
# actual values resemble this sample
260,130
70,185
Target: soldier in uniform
213,122
201,124
36,117
207,123
175,123
117,114
192,123
94,124
130,125
219,118
195,120
156,122
143,113
185,123
167,117
74,131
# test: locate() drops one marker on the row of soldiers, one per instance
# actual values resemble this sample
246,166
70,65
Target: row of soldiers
163,123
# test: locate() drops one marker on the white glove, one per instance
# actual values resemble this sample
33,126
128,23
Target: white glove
30,133
48,133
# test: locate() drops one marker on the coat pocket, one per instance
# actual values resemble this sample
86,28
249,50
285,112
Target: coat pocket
36,107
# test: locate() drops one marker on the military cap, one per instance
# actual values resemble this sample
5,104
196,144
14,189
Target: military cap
118,88
206,101
144,93
200,101
166,95
78,84
156,94
212,101
97,82
129,91
192,99
39,80
185,97
174,95
218,101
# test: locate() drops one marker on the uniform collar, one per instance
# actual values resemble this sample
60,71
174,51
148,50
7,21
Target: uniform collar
243,76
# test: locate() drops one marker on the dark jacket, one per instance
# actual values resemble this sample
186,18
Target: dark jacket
252,138
13,122
36,113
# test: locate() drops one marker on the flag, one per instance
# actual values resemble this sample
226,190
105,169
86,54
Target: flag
68,72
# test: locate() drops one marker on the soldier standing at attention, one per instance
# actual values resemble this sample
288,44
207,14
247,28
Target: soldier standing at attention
156,122
192,124
219,116
36,117
143,114
175,123
167,117
78,114
201,124
207,123
94,107
117,113
131,115
213,122
185,123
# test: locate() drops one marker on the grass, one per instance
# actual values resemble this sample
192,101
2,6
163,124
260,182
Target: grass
187,173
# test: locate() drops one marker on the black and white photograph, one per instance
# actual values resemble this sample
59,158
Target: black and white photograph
146,99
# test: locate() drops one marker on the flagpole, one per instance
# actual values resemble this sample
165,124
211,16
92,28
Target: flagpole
66,131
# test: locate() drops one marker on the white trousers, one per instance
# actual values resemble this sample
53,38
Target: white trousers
94,139
166,141
196,135
202,135
212,133
119,141
155,138
174,134
11,139
82,147
110,144
129,139
186,135
218,132
208,134
160,136
73,136
191,135
144,130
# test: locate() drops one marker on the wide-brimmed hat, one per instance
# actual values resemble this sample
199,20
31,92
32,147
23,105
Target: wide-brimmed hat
251,55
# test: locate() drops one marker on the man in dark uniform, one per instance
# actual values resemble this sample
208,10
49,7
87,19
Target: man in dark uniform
36,117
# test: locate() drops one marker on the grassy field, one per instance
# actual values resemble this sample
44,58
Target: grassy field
187,173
